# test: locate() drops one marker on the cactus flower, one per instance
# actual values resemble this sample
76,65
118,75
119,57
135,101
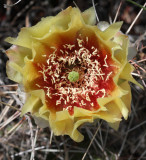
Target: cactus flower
72,71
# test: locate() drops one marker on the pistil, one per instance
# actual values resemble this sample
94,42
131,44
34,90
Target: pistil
73,76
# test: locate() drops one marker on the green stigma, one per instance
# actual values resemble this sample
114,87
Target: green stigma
73,76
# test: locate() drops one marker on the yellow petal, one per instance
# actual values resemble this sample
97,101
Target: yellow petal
47,26
126,98
14,72
115,125
126,74
89,16
75,134
103,25
111,31
112,114
123,108
41,122
118,92
121,54
31,103
61,127
30,74
15,64
34,102
23,39
17,54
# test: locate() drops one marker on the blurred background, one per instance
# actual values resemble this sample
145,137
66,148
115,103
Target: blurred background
17,133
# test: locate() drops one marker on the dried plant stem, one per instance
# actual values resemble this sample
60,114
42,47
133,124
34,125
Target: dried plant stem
141,157
10,106
9,92
10,85
17,125
140,74
125,138
48,144
6,5
51,136
100,135
33,144
27,151
135,19
100,147
138,145
136,4
135,74
135,127
5,110
95,10
22,11
117,12
106,136
91,142
10,119
139,61
136,65
13,107
33,138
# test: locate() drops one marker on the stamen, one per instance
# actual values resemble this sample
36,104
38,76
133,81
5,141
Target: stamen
87,39
105,61
108,76
80,41
69,46
38,85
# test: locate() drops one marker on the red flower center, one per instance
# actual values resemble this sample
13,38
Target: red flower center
85,55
